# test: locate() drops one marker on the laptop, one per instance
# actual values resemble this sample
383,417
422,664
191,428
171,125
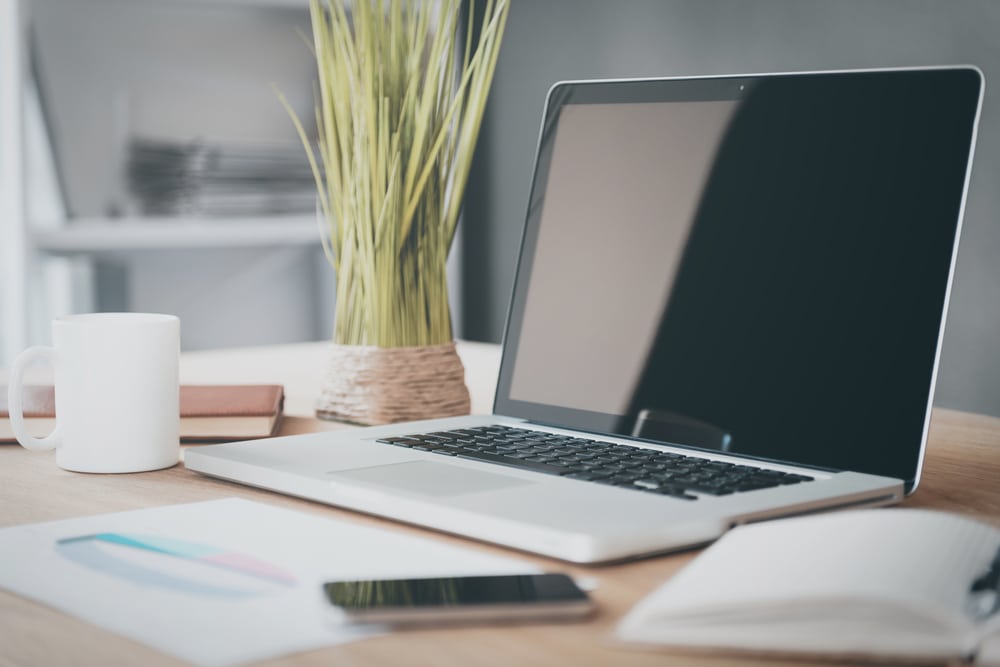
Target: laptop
728,307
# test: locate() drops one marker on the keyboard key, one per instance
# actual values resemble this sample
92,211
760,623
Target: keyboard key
675,493
517,463
752,486
763,480
405,442
625,478
711,488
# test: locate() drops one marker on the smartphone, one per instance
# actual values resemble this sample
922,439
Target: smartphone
459,599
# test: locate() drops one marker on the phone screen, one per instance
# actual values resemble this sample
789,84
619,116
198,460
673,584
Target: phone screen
453,591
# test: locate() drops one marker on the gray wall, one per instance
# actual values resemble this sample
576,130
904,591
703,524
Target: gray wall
229,297
565,39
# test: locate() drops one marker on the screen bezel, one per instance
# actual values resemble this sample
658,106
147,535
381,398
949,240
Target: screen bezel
665,90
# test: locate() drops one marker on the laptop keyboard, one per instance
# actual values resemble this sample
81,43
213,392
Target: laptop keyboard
648,470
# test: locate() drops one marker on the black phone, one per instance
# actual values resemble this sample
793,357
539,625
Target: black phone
459,599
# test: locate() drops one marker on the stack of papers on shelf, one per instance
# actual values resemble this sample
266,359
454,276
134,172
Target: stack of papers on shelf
200,178
901,585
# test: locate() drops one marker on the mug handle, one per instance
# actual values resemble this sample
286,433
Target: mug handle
15,395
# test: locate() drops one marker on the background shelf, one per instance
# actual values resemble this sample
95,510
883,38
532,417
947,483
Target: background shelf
95,236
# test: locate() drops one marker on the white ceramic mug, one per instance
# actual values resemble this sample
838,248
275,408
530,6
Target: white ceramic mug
117,392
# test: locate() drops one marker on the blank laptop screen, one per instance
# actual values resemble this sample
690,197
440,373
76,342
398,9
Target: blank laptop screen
758,265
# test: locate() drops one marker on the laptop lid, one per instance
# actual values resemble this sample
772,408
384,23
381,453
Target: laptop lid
756,264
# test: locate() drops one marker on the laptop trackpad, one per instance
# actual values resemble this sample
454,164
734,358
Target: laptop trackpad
427,478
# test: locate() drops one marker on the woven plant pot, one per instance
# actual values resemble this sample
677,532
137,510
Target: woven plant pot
383,385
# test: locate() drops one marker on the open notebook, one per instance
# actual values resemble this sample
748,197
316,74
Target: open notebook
910,585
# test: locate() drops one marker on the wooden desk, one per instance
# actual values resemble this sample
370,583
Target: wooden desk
962,474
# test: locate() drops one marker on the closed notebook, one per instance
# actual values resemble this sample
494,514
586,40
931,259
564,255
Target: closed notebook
894,585
208,412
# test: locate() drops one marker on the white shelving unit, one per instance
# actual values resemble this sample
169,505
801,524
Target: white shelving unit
101,235
28,247
14,248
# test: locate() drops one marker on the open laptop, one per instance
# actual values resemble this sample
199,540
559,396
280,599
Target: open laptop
728,307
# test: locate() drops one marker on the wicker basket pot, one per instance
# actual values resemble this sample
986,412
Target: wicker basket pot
382,385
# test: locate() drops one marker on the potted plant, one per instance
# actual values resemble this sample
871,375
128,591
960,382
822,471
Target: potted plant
399,109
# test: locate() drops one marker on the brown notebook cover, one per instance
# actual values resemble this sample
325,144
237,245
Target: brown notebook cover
208,412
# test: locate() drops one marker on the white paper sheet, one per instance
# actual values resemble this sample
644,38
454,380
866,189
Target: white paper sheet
221,582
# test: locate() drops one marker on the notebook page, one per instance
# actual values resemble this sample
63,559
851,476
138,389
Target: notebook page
988,654
910,559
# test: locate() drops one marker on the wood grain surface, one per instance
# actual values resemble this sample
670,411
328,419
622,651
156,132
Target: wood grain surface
961,474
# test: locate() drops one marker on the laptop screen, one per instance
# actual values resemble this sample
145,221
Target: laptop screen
758,265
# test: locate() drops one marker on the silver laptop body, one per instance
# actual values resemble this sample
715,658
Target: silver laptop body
748,272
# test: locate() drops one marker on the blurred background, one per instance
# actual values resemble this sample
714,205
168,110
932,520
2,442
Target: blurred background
146,163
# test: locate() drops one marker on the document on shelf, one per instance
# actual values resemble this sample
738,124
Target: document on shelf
222,582
895,584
